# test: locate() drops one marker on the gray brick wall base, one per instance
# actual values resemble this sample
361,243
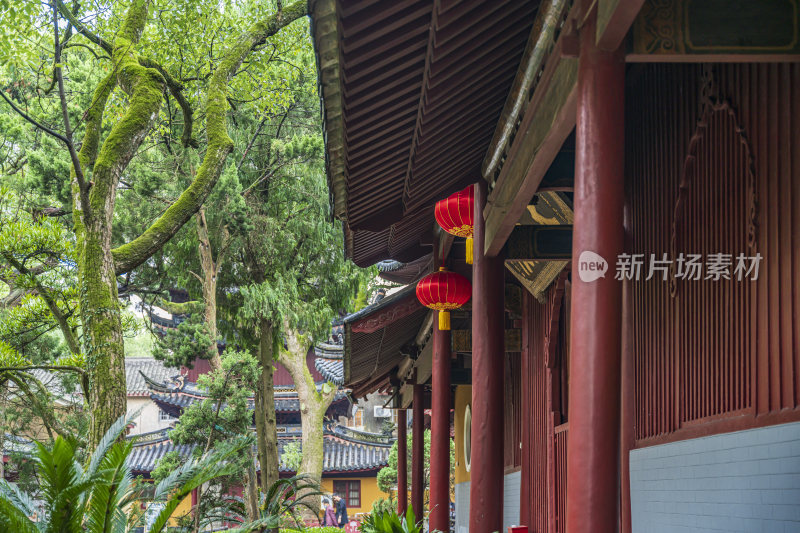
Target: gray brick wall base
511,485
462,507
741,482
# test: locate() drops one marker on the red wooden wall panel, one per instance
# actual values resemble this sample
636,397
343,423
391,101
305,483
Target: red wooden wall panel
713,166
534,484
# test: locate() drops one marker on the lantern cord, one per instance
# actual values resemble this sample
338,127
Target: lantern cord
444,321
469,250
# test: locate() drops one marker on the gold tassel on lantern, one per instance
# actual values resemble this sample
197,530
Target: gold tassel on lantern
444,321
469,250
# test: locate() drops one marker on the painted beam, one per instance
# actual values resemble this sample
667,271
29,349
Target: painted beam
614,19
716,30
462,340
548,121
552,243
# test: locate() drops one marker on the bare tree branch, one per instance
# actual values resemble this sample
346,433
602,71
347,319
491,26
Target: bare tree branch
27,117
73,154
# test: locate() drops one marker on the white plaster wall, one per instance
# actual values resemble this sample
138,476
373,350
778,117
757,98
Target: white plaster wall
740,482
147,420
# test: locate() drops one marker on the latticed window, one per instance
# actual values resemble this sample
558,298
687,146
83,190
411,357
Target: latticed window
357,420
349,490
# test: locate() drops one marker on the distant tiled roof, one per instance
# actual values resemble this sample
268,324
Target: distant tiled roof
16,444
150,367
52,381
145,455
181,400
329,362
341,453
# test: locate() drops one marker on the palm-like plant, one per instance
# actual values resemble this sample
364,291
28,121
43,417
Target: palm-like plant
284,502
388,521
95,499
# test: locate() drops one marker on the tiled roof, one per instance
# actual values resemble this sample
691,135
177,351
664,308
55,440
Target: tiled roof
152,368
284,403
329,362
145,455
52,381
340,454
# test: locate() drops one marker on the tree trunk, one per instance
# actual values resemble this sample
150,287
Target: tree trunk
102,327
313,403
251,491
266,426
210,270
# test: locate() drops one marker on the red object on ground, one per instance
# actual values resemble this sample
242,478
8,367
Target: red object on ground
351,527
444,291
518,529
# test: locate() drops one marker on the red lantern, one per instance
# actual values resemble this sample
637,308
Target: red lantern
444,291
455,214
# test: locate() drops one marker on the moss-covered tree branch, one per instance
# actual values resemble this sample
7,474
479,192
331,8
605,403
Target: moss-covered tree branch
176,89
219,144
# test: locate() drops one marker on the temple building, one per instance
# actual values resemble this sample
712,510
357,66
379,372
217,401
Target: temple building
352,456
629,358
354,450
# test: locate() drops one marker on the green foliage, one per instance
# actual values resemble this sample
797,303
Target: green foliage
388,521
383,505
283,505
182,345
292,455
166,465
95,498
224,413
387,476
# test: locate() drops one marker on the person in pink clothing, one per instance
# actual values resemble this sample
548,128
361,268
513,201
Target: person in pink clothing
330,514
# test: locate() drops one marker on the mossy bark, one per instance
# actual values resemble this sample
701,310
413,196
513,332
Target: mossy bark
313,403
99,304
210,271
219,144
98,264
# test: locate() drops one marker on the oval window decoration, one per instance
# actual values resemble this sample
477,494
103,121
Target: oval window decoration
468,438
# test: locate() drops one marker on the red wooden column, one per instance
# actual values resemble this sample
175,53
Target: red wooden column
418,451
402,463
486,480
439,517
594,391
